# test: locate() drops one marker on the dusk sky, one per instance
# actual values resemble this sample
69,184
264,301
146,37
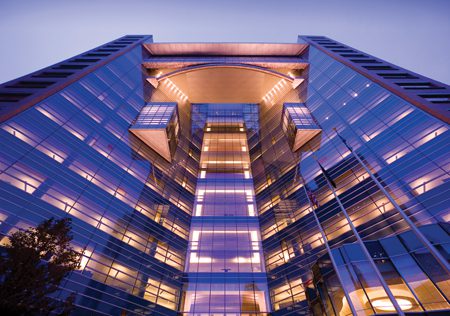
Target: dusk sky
414,34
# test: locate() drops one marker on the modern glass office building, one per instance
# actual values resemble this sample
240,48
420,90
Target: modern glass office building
229,179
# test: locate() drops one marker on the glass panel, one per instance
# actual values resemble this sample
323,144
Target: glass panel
225,260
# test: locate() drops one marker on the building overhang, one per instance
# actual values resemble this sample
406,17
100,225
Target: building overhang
167,62
226,49
156,139
225,72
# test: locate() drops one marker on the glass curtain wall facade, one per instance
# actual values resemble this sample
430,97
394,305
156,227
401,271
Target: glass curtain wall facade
225,270
279,179
416,287
402,145
72,155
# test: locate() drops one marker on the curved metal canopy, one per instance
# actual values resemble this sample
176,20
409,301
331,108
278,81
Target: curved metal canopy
224,83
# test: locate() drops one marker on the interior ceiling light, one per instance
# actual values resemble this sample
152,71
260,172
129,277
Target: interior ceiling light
273,91
173,88
384,304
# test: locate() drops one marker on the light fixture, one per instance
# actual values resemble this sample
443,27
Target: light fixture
173,88
384,304
381,302
273,92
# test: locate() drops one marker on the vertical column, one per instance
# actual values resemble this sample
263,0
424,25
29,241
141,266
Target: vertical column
225,267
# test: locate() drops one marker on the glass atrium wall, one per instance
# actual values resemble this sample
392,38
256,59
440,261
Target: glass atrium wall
225,269
417,286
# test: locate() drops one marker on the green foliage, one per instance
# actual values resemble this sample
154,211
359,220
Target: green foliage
32,267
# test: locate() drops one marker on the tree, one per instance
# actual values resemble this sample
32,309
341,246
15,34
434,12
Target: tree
32,267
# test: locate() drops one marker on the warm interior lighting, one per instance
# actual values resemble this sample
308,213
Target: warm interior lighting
430,136
390,158
291,289
428,181
174,89
254,238
384,304
194,259
256,258
198,210
272,92
85,258
400,116
19,178
249,192
233,297
251,210
253,233
381,302
232,162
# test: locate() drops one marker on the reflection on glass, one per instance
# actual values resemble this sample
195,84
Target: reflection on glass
225,239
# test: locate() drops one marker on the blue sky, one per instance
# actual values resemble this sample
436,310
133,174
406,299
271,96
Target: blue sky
410,33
